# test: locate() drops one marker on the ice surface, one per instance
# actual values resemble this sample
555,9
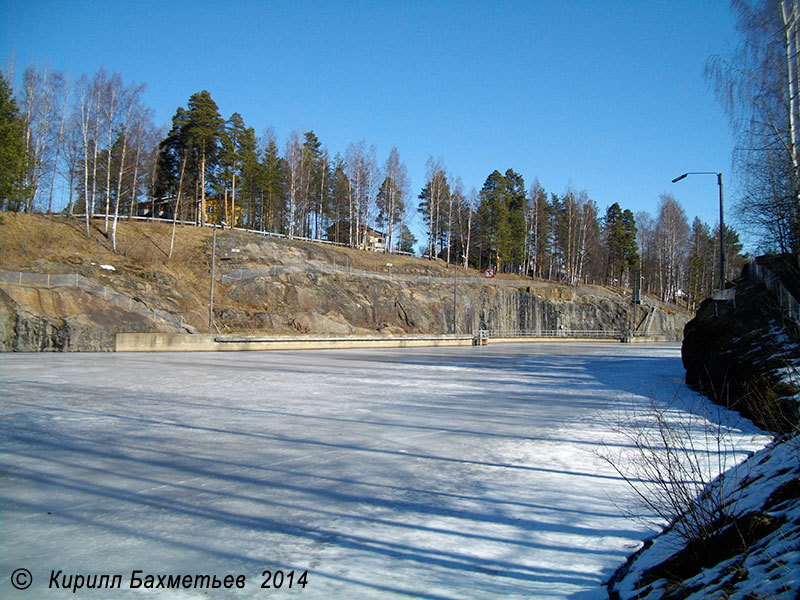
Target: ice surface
424,473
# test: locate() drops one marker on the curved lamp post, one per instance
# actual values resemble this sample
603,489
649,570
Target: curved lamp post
721,222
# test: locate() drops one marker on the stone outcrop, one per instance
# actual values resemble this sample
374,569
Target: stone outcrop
306,290
292,287
39,320
744,353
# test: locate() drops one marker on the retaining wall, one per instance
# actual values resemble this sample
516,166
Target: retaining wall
182,342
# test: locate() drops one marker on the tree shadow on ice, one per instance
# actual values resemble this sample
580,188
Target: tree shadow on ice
119,500
189,505
312,442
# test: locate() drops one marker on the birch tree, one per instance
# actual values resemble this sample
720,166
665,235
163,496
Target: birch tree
62,88
759,88
130,101
433,198
86,108
672,235
294,164
109,105
392,196
39,102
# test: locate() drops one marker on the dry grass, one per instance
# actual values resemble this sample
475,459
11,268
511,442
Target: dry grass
59,244
28,239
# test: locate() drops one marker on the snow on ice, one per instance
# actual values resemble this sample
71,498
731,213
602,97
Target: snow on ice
446,473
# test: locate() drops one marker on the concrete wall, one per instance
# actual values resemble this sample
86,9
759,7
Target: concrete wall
185,342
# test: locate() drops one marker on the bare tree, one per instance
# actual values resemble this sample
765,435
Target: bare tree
356,173
672,235
130,101
669,461
86,107
393,194
294,163
759,89
109,102
473,196
39,92
62,87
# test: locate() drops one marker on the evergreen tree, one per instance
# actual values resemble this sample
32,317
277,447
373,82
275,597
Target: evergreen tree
13,158
339,209
405,240
229,175
251,171
619,231
502,201
274,185
433,201
203,129
175,161
312,178
700,265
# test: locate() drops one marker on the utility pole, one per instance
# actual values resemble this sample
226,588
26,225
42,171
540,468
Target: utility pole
213,264
455,294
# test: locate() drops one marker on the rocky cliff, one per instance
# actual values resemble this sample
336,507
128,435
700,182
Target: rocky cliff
270,285
313,288
745,353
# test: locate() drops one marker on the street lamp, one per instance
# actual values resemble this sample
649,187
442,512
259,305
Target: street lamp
721,222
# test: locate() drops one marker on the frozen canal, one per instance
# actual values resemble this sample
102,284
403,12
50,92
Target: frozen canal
427,473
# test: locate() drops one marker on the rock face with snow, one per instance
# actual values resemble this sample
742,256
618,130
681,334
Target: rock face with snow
745,354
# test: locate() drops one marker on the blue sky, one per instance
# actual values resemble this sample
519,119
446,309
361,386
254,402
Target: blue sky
607,97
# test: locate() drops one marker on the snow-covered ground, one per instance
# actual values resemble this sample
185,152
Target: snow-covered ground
426,473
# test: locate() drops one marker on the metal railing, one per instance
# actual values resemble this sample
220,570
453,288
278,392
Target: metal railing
319,268
787,302
260,232
611,334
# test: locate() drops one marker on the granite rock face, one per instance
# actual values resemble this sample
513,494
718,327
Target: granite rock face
744,354
63,319
282,286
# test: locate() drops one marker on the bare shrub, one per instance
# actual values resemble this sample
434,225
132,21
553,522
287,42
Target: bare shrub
668,458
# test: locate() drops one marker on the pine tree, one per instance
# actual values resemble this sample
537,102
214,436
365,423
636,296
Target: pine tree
13,158
433,199
622,255
405,240
700,265
312,177
203,128
274,180
230,160
340,202
502,218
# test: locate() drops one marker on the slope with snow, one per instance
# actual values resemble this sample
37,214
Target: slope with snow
756,555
